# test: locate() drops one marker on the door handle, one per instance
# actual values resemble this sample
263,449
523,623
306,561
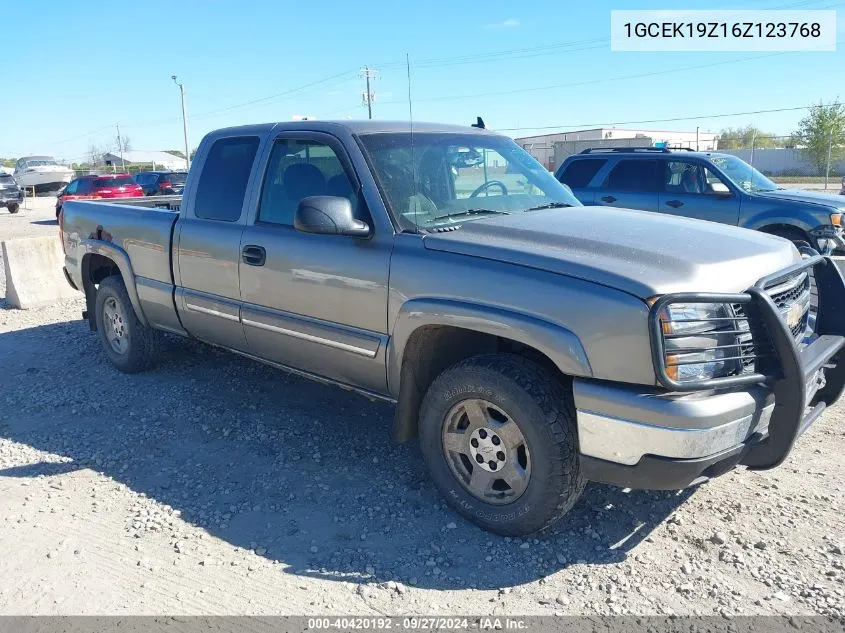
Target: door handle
675,203
254,255
608,199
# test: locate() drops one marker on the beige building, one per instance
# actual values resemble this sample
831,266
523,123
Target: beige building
543,147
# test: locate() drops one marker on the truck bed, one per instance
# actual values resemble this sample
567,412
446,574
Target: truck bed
139,239
143,233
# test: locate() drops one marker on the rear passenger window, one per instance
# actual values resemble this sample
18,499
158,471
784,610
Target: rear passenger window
634,175
579,173
222,185
298,169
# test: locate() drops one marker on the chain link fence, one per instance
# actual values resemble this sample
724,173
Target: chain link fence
783,157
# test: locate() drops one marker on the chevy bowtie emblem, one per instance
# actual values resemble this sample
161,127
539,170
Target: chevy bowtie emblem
794,315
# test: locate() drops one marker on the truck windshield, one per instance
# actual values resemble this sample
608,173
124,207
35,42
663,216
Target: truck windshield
444,179
742,174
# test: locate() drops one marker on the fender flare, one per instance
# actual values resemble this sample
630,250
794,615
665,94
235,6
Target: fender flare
561,345
800,221
121,259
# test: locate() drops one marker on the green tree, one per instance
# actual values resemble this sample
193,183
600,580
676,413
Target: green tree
820,132
745,138
175,152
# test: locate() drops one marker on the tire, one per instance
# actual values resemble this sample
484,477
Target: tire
14,208
540,406
139,349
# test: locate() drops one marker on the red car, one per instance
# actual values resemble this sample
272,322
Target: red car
92,187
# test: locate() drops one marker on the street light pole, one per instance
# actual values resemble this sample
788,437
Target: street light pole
184,121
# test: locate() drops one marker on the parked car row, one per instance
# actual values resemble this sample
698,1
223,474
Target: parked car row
703,185
111,186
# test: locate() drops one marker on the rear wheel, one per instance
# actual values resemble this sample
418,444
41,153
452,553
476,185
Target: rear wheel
130,346
498,434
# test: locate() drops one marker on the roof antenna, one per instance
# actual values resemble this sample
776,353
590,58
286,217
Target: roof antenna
414,200
479,123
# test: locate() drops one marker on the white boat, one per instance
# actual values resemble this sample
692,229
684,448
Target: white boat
42,172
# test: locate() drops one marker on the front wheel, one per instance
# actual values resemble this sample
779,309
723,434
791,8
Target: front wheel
14,208
498,434
130,346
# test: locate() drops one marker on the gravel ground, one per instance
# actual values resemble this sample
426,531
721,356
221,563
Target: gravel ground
214,485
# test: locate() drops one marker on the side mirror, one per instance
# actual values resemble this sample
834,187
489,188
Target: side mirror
328,215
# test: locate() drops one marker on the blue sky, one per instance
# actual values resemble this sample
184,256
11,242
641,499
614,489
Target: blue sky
79,68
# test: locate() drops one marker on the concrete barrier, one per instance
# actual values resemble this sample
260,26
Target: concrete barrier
34,274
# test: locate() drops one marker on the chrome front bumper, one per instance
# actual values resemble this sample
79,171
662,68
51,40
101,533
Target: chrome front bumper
623,424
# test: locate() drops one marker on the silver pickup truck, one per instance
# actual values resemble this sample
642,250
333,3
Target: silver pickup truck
530,342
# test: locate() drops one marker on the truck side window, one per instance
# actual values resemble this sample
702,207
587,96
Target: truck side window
222,185
579,173
634,175
298,169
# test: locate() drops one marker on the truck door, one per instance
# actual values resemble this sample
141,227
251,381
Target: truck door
317,303
632,184
692,190
208,243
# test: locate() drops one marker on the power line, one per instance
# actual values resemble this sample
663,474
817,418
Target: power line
245,104
591,82
548,49
687,118
79,136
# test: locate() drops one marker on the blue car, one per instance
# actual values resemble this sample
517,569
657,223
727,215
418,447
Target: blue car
706,186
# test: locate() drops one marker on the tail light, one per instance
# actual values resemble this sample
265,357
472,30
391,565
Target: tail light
166,185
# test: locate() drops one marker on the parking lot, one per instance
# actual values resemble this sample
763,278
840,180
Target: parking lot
215,485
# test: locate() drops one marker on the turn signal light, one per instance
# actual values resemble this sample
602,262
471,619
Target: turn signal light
836,219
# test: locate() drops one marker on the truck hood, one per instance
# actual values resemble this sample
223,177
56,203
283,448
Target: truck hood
799,195
642,253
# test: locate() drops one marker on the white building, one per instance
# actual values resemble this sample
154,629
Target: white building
542,146
157,160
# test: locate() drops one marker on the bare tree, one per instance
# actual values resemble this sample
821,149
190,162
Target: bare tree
94,155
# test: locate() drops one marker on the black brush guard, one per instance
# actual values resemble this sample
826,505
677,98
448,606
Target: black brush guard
778,361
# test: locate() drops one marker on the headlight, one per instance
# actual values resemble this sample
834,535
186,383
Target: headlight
702,341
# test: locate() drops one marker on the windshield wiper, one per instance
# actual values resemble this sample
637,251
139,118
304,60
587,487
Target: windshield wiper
551,205
471,212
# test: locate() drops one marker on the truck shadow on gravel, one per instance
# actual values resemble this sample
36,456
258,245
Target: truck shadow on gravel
302,473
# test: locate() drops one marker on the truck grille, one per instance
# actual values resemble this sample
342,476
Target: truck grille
796,291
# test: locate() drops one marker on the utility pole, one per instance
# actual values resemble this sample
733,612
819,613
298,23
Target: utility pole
184,121
120,147
367,73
